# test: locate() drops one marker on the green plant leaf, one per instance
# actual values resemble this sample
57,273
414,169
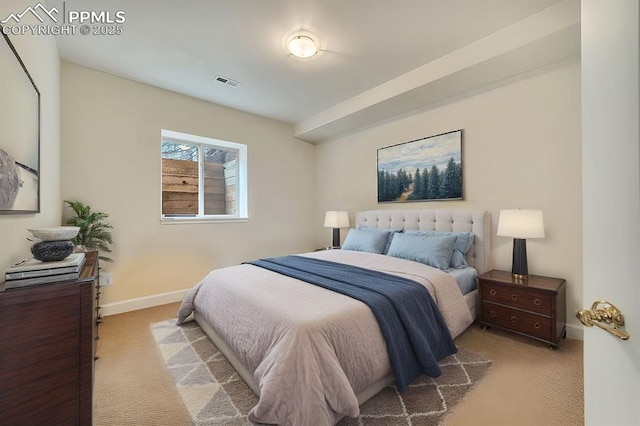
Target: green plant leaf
94,231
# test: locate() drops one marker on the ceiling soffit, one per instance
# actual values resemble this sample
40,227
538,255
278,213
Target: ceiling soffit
535,43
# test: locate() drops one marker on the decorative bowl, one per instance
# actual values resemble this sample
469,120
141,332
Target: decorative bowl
57,233
48,251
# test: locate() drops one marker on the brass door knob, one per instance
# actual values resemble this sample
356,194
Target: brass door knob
604,312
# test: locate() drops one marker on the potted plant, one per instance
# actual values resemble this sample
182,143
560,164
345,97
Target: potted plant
94,231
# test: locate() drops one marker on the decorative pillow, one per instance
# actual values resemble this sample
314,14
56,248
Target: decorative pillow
389,232
434,251
365,240
464,241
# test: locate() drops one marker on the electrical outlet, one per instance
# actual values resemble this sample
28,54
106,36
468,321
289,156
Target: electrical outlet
105,279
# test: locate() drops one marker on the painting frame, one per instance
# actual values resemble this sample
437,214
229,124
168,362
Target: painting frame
422,170
20,140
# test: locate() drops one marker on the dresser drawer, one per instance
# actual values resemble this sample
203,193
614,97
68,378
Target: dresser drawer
520,298
515,320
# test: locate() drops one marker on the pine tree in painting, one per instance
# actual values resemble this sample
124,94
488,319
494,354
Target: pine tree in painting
451,181
434,183
417,186
424,187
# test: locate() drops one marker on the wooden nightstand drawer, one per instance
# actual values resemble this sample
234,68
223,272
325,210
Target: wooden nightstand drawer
518,321
520,298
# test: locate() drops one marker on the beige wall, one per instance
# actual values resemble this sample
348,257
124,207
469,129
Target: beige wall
40,56
111,160
521,149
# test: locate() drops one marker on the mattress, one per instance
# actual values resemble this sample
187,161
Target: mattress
466,278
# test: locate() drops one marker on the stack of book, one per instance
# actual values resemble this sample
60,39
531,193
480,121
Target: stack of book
32,271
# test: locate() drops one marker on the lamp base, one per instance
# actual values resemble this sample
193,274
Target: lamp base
519,268
336,237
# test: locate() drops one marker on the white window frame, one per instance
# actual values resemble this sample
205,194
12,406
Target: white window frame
242,211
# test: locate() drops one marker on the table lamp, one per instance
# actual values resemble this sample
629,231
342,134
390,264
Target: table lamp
336,220
520,224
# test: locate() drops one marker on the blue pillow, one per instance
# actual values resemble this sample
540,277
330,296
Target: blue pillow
389,233
434,251
464,241
365,240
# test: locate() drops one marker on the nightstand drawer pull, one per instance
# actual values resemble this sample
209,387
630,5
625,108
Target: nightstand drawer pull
492,292
537,302
492,314
537,325
514,297
514,319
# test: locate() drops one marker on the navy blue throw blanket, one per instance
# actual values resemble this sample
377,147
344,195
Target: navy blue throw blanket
411,324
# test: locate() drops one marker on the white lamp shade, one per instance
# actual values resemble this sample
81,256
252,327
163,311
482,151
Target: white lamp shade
521,224
336,219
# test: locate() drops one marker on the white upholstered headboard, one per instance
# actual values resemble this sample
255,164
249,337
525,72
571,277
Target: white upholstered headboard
476,221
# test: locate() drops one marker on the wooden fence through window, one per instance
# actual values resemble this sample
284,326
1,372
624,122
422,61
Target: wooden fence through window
180,187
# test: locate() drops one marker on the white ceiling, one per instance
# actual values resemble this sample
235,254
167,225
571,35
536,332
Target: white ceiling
183,45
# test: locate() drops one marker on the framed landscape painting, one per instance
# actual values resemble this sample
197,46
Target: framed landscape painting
426,169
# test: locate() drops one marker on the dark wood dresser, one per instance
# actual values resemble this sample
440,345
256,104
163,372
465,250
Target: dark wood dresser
47,347
535,307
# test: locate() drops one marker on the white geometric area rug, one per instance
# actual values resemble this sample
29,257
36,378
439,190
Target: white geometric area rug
203,376
214,393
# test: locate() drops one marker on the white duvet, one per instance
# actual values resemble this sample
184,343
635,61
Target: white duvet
310,350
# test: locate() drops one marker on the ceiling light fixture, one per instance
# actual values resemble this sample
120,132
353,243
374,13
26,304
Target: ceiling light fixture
302,46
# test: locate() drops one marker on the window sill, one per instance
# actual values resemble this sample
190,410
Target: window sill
192,220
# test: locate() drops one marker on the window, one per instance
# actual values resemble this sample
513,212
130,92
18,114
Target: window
202,178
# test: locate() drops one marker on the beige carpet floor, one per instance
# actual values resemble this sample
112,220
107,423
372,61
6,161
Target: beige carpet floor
528,384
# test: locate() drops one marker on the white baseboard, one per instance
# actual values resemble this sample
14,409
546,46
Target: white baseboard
141,303
575,332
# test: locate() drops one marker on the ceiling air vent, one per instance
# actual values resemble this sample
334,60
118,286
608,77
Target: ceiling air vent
227,81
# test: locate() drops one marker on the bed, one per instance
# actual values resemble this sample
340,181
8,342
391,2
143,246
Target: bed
476,221
310,353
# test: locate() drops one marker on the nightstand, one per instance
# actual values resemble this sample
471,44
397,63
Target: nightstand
535,307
